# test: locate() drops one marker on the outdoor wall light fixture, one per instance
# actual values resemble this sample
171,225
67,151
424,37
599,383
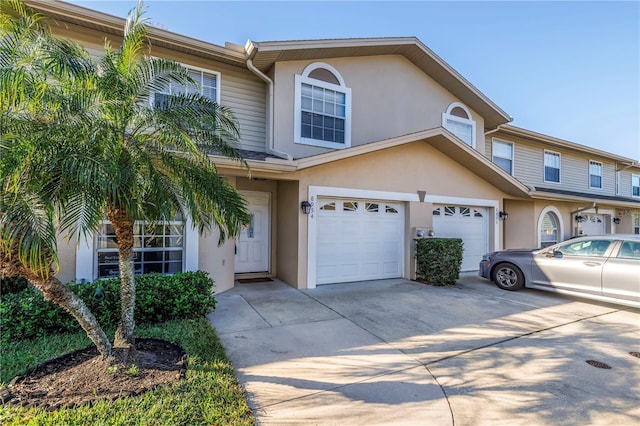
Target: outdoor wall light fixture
431,233
503,215
306,207
616,220
580,218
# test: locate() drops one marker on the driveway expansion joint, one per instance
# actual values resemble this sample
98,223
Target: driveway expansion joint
256,311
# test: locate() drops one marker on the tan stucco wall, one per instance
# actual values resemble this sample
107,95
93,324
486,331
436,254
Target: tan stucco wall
390,97
289,217
67,259
519,228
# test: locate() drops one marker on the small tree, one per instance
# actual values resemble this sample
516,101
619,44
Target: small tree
109,148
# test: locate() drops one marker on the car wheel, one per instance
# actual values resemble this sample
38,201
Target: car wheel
508,277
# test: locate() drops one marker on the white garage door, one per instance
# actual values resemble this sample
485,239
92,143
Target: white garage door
359,240
469,223
593,225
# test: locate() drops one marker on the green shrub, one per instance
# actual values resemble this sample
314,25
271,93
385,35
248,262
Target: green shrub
439,260
159,298
12,285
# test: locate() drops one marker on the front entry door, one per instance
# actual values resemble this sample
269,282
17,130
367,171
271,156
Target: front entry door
252,246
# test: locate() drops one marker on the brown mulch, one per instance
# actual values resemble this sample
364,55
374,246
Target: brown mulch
83,376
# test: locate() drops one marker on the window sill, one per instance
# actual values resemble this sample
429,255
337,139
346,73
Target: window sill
322,144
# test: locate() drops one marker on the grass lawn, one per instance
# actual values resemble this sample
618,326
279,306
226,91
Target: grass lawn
209,395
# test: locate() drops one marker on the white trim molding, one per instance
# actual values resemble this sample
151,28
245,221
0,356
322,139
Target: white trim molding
327,191
469,121
544,166
297,108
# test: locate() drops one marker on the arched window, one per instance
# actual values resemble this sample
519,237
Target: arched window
549,227
322,107
457,119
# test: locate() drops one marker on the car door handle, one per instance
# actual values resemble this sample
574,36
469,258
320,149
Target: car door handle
592,263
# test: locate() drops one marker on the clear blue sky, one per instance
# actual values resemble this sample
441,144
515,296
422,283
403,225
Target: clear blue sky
568,69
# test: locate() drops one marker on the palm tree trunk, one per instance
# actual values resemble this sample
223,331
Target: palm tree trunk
123,226
56,292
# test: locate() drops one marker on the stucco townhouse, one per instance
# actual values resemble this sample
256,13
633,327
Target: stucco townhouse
356,147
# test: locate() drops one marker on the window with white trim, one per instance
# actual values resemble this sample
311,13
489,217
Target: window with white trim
457,119
635,185
549,230
322,108
551,166
618,174
636,223
502,155
157,247
595,174
208,86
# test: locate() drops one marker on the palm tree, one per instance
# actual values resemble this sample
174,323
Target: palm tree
41,97
140,157
154,153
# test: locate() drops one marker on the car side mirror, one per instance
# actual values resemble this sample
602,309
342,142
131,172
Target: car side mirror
554,253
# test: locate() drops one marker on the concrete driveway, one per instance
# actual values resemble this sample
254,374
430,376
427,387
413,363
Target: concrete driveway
400,352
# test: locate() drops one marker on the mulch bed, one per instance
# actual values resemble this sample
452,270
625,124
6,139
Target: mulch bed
83,376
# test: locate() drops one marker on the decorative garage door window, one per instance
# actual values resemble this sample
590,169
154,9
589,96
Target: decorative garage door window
349,206
457,211
158,247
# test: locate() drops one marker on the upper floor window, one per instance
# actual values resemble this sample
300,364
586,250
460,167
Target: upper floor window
322,108
208,86
595,174
551,166
502,155
457,119
635,185
618,182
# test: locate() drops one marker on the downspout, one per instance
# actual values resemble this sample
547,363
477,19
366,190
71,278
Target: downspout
270,127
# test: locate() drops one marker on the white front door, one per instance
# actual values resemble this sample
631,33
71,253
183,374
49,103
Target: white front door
359,240
466,222
252,246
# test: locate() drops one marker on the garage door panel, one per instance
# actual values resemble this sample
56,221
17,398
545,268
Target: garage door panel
359,240
468,223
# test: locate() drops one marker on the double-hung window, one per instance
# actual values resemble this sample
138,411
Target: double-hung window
551,167
595,174
635,185
502,155
322,108
208,85
457,119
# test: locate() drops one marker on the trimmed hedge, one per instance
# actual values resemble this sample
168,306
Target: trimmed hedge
439,260
159,298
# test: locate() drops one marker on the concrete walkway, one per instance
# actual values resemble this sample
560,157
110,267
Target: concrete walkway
399,352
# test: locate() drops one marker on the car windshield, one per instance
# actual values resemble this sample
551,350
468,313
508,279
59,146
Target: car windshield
585,248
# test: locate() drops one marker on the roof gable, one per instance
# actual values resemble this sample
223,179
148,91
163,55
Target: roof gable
265,54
